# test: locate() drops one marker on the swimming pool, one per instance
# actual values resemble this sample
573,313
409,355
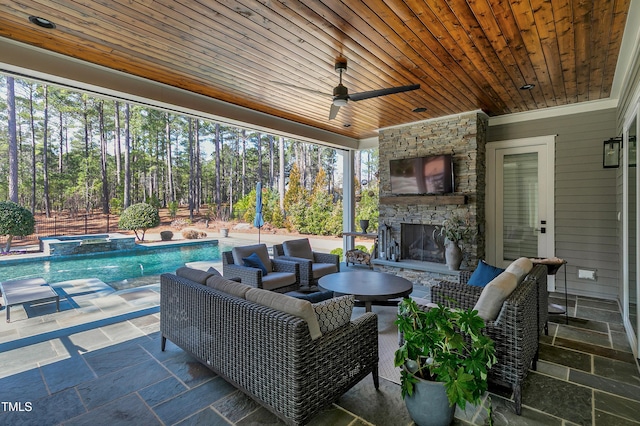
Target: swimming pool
112,266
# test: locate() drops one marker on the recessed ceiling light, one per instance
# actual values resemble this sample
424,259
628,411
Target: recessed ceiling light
41,22
419,109
527,86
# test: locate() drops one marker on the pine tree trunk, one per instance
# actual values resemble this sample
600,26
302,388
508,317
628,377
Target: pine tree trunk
33,150
217,191
103,160
13,140
118,153
282,177
127,163
45,153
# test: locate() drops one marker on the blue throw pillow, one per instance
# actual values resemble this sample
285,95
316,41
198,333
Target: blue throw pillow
483,274
253,261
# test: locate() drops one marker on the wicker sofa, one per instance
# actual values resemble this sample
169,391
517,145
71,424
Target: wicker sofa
272,356
515,330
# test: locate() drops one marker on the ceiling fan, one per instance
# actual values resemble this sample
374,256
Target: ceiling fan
341,94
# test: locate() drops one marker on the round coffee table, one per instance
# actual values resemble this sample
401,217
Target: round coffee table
367,286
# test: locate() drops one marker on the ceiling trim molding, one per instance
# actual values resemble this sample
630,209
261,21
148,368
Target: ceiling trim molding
27,61
628,50
550,112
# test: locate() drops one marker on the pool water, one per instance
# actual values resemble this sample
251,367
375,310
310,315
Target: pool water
112,266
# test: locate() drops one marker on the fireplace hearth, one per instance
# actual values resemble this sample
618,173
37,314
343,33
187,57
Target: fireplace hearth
421,242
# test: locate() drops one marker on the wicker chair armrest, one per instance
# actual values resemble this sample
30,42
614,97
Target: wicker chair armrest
249,276
464,276
281,265
326,258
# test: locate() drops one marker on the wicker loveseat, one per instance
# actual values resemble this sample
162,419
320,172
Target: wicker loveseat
267,353
515,330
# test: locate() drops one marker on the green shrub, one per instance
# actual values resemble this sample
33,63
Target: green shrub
138,218
173,209
362,248
15,221
339,252
116,205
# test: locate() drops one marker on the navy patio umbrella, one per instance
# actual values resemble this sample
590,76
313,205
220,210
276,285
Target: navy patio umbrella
258,221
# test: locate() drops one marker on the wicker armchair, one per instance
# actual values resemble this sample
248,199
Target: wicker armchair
282,276
514,331
540,276
313,265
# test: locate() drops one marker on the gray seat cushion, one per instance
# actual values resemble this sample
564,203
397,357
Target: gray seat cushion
322,269
239,253
275,280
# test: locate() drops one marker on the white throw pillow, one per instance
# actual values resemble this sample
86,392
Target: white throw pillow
520,268
494,294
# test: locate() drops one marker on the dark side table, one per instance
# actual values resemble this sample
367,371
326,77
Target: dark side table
553,266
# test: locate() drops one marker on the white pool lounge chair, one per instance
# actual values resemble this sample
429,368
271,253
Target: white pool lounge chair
29,290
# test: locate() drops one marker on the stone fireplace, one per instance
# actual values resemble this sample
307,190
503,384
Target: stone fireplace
463,136
420,242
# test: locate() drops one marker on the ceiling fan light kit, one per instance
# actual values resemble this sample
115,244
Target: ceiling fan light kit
341,94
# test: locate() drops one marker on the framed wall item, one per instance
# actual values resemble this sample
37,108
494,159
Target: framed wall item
611,153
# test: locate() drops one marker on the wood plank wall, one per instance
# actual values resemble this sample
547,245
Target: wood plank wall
585,196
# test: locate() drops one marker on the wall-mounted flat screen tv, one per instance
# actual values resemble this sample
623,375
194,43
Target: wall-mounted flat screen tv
431,174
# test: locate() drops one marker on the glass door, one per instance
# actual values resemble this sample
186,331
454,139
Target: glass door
520,215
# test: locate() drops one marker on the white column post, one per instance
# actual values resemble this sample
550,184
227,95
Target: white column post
348,198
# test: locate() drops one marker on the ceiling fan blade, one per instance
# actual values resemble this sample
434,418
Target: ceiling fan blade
333,111
382,92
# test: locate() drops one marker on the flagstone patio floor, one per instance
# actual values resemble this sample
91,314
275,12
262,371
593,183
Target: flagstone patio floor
98,361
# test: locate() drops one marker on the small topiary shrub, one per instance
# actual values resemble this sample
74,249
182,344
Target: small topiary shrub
166,235
138,218
192,234
338,251
173,209
15,221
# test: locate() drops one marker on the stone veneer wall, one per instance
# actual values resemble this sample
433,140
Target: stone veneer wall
462,135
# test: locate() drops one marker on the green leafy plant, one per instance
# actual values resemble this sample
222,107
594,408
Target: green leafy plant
339,252
173,209
15,221
457,228
138,218
444,345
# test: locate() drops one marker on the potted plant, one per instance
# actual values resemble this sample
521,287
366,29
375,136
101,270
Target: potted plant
445,359
456,229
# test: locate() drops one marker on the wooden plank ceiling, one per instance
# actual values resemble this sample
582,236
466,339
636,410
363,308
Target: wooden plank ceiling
278,56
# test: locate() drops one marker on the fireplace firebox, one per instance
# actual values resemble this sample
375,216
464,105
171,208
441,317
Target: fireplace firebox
421,242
